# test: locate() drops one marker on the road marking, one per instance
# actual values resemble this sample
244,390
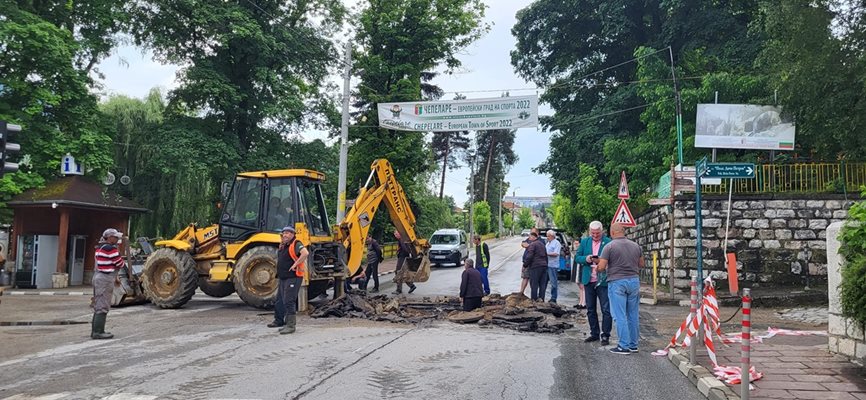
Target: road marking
45,397
117,396
53,352
504,261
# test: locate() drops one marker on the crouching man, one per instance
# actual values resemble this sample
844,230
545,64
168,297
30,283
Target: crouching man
471,288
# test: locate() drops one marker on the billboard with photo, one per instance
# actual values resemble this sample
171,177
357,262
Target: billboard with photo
743,126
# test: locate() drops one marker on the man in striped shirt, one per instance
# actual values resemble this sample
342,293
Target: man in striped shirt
108,262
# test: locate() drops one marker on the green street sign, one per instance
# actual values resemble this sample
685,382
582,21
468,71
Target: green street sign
701,167
730,170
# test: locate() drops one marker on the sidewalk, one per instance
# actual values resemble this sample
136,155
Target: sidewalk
795,367
68,291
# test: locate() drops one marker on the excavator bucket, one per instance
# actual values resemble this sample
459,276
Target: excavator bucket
418,268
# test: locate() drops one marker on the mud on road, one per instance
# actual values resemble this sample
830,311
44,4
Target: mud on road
514,311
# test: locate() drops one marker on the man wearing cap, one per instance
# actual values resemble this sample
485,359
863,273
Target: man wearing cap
108,262
291,257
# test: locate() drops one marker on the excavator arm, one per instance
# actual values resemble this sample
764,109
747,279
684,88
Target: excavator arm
382,186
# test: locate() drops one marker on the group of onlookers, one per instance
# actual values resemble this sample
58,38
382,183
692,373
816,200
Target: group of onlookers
609,280
607,276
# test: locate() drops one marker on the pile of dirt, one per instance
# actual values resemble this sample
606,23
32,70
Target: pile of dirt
515,311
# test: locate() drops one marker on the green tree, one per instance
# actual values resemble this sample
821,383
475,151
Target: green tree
431,212
525,219
47,51
258,68
814,51
481,218
583,53
447,148
495,156
401,42
594,202
507,221
566,215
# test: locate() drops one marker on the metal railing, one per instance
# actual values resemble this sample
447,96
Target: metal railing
798,178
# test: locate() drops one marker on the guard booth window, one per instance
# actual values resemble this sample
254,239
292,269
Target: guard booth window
313,208
280,210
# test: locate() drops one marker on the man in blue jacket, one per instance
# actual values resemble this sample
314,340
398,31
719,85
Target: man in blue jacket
595,283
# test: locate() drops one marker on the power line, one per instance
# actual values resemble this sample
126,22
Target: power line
608,68
583,85
590,117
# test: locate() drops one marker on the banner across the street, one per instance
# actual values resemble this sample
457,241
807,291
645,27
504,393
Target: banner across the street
460,115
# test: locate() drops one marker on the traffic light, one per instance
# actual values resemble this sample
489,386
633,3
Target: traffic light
6,147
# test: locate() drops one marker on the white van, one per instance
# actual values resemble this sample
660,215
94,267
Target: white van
449,247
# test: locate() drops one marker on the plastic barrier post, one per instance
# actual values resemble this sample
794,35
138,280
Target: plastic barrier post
745,374
733,279
655,276
693,309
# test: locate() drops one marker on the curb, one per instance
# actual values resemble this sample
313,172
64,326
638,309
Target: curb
709,386
23,293
659,302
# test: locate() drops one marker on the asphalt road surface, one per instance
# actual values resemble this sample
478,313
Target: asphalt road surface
220,349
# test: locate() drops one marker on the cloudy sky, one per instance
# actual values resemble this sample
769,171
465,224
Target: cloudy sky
486,72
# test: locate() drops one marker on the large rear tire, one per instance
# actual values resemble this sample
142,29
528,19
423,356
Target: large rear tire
215,289
169,278
255,277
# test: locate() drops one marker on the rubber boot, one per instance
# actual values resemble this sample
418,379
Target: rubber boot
98,327
290,325
276,324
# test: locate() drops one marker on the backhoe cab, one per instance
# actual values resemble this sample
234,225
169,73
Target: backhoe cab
239,254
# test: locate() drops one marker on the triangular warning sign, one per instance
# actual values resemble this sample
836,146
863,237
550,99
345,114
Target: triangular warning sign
623,187
623,215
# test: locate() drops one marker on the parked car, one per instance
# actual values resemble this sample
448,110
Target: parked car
565,269
448,247
525,233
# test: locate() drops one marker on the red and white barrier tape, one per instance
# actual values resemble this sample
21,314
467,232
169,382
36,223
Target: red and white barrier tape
732,375
708,312
732,338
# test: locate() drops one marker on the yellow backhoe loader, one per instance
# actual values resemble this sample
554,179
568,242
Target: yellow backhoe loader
239,253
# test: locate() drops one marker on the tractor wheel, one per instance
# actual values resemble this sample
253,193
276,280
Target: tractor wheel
169,278
255,276
215,289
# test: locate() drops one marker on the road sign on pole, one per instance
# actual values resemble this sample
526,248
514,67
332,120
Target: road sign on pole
701,167
623,187
623,215
730,170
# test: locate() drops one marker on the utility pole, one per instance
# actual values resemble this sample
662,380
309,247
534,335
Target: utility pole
344,136
513,206
500,205
679,110
472,195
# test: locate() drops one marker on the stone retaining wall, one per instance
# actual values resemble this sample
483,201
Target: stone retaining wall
778,241
846,336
